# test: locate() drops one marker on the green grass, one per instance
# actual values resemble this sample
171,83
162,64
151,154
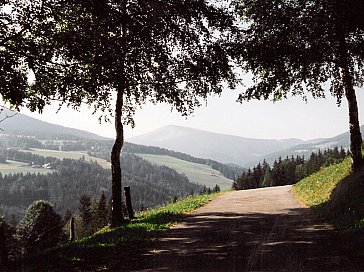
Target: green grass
336,193
75,155
195,172
317,188
112,248
15,167
150,221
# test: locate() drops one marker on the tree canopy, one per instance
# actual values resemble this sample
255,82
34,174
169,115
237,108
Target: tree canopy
124,53
296,47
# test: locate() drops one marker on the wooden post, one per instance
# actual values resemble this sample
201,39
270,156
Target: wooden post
3,251
128,202
72,229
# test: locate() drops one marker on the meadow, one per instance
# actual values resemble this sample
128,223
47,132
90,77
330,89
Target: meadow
75,155
196,173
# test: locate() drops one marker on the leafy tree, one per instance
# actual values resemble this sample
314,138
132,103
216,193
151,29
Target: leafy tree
295,47
41,227
125,53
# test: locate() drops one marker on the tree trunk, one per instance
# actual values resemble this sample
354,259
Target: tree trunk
128,202
347,80
355,134
116,188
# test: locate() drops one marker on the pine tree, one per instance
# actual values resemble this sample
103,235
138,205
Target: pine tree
85,212
102,212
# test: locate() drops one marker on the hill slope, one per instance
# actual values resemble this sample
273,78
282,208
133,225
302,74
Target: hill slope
195,172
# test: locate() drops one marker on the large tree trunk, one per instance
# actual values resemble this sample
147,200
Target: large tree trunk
355,134
347,80
117,213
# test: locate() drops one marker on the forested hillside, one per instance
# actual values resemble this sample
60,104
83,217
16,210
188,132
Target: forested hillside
150,185
289,170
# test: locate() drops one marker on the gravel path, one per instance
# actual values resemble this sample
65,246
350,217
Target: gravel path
253,230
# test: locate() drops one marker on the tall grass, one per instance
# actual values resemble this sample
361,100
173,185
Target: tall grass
316,189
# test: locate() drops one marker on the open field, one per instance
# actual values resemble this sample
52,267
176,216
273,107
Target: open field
14,167
75,155
196,173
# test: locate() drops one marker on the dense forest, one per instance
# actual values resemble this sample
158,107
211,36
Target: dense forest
150,185
287,171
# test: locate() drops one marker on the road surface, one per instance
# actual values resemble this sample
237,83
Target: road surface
253,230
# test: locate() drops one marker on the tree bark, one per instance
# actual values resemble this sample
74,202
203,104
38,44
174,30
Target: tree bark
117,212
128,202
355,134
347,80
116,188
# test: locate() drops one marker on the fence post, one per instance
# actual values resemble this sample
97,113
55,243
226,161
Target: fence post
3,251
128,202
72,229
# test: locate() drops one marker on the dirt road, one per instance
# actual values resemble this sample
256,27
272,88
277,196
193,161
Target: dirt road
254,230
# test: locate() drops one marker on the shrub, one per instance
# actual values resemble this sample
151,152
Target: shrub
41,227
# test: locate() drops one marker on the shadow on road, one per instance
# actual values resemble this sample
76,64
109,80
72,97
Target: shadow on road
294,240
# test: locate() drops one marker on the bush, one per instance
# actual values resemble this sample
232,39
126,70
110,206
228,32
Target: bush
41,227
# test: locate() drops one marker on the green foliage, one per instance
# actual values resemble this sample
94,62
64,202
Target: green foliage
41,227
292,46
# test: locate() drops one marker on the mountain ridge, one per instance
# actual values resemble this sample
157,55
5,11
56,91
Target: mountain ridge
221,147
25,125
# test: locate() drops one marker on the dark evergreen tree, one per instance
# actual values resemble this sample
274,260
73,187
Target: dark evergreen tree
102,212
85,212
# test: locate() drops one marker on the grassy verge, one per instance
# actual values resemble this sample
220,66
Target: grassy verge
336,193
113,248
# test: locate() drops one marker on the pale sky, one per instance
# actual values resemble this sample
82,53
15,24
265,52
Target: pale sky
291,118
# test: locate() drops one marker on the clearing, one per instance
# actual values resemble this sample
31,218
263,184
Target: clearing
15,167
74,155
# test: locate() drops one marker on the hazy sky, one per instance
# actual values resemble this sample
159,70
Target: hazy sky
291,118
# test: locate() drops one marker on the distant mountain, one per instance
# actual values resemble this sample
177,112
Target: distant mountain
310,146
24,125
215,146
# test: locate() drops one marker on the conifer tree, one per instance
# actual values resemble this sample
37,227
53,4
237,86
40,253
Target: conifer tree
85,212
